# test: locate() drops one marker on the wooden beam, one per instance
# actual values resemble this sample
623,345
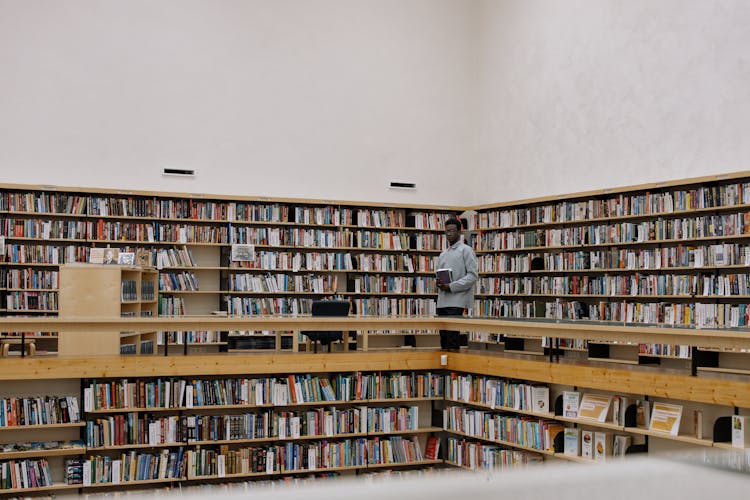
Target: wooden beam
620,379
32,368
739,339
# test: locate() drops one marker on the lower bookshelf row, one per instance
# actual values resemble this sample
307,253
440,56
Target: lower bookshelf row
303,414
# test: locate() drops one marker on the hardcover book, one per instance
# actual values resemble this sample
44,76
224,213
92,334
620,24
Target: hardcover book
444,275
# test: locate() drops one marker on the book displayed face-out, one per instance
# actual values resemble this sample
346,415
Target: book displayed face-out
666,418
594,407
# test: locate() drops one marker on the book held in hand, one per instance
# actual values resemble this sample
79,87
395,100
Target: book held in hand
444,276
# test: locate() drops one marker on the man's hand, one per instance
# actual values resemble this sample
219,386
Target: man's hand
446,287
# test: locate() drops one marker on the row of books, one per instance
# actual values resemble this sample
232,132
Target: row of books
172,257
228,211
727,254
135,429
379,218
29,278
385,306
131,466
178,281
142,347
46,254
239,282
330,261
691,314
38,410
494,392
482,456
187,209
706,285
612,234
393,284
43,229
294,389
623,205
36,301
595,445
32,473
128,290
172,306
372,306
188,336
148,290
530,432
249,306
41,202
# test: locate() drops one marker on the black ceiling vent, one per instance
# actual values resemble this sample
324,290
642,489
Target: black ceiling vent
179,172
403,185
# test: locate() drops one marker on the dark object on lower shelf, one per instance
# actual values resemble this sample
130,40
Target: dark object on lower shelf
332,308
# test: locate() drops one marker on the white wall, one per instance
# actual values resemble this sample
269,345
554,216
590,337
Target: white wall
587,94
320,99
476,101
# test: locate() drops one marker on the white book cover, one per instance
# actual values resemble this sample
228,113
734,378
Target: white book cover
270,460
328,425
75,415
116,471
572,441
294,427
312,458
587,444
282,427
363,416
189,396
221,465
540,399
88,399
571,403
86,473
740,431
616,402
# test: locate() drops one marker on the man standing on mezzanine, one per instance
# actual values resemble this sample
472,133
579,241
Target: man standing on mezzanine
456,295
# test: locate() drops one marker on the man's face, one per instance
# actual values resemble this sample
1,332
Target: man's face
452,233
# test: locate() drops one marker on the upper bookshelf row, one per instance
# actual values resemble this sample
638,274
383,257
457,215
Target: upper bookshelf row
730,194
162,208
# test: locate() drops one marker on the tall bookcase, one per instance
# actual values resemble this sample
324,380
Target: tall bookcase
379,257
672,254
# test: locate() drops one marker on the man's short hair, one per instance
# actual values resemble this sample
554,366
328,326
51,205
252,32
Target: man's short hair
453,221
